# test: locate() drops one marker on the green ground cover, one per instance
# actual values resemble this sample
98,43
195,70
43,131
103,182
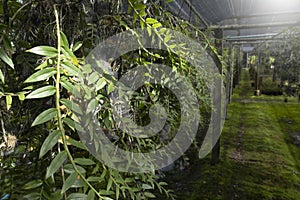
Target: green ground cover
260,156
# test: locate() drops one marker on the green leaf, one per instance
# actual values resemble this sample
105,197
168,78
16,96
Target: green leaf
77,196
92,106
149,195
109,184
42,92
56,163
7,43
47,62
49,142
69,182
70,55
76,143
32,196
168,1
94,179
77,46
6,58
70,169
2,76
117,192
84,161
147,187
41,75
139,6
28,88
71,69
45,116
67,85
44,51
70,123
72,106
32,184
91,195
167,38
156,25
21,96
110,88
93,78
8,101
100,84
105,192
64,40
151,21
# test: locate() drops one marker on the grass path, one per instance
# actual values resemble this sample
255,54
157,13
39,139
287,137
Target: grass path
260,153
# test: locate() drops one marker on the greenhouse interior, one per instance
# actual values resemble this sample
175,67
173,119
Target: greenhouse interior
150,99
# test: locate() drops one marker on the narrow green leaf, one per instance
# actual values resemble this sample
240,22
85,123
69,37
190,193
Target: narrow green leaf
105,192
101,84
32,196
47,62
72,106
151,21
32,184
117,192
71,69
167,38
8,101
67,85
84,161
94,179
76,143
28,88
156,25
70,55
45,116
2,77
56,163
49,142
92,106
70,169
77,46
69,182
147,187
91,195
64,40
93,78
110,88
7,43
77,196
109,184
139,6
6,58
44,51
70,123
149,30
42,92
41,75
149,195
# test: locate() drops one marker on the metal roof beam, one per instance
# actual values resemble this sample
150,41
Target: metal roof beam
196,12
253,26
263,15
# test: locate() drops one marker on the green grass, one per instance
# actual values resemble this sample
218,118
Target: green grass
259,159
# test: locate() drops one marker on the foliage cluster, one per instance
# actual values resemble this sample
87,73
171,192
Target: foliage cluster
36,91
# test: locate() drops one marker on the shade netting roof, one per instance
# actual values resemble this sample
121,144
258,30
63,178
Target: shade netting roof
241,20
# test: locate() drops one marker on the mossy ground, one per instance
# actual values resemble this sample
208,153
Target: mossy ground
260,154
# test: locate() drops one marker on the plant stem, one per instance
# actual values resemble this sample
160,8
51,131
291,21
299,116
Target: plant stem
59,115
